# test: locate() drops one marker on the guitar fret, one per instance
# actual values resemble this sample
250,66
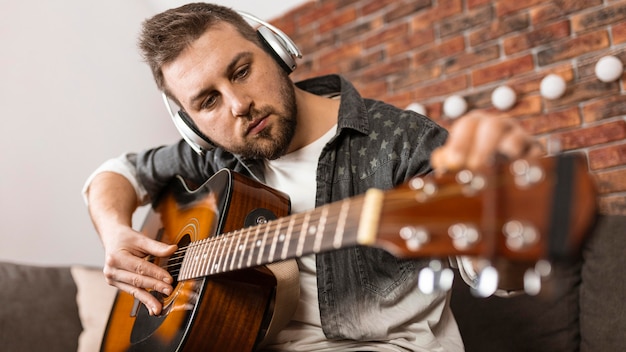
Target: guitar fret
230,240
341,224
236,250
262,245
212,255
253,244
204,244
194,260
220,257
320,230
244,247
275,240
303,232
288,238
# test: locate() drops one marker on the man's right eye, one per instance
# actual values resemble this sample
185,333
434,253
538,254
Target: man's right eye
209,102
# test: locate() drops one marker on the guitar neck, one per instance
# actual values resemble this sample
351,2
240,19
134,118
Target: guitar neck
337,225
525,210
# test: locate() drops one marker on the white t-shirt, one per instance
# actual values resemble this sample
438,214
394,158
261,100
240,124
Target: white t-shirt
295,174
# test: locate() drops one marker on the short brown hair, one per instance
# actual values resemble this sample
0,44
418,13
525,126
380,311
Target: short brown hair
167,34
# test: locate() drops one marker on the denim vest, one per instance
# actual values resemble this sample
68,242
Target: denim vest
376,145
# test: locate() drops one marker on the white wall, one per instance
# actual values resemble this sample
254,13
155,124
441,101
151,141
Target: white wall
73,92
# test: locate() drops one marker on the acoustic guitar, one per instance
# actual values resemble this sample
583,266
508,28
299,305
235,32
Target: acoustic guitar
231,228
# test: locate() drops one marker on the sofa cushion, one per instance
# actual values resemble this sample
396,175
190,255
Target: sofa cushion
95,300
547,322
603,289
39,311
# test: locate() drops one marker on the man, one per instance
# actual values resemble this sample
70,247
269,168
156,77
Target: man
318,141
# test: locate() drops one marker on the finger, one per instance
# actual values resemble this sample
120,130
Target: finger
147,245
152,303
137,272
489,133
518,144
452,155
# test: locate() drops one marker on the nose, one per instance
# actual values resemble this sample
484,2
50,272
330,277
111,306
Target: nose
240,103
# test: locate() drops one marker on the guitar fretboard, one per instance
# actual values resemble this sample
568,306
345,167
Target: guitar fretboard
333,226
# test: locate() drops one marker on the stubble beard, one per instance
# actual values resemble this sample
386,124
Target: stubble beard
273,141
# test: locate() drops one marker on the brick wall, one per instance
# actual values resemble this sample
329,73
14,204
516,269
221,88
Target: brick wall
425,50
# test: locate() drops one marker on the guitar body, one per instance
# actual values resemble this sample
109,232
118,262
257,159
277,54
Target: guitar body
226,312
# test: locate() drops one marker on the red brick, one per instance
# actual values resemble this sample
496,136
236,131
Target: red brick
611,181
372,6
365,61
467,20
471,4
315,13
605,108
389,33
417,76
405,43
405,9
550,122
385,70
502,70
607,156
471,59
591,136
619,33
559,9
574,47
434,53
442,88
344,52
428,17
372,89
540,36
337,19
499,28
602,17
507,7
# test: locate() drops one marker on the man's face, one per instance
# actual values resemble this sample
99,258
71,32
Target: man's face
235,93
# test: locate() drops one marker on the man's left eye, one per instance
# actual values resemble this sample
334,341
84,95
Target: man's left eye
242,73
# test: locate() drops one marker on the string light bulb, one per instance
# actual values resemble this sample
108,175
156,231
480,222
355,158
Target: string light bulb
503,98
609,68
454,106
552,86
417,107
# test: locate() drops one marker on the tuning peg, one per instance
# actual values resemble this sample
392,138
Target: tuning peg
534,277
486,282
435,277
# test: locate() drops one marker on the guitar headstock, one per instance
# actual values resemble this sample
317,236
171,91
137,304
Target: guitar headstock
521,211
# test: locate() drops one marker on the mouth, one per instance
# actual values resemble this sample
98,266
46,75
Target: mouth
256,126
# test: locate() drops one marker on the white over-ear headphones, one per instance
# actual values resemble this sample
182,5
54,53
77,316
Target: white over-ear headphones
284,51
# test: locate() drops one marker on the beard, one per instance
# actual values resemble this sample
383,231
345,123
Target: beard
273,141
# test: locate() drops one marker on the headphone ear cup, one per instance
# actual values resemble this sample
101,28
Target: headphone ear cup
191,134
278,48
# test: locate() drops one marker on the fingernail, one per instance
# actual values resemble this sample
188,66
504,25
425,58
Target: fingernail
168,280
167,291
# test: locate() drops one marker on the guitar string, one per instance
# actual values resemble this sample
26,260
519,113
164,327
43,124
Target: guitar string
250,242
